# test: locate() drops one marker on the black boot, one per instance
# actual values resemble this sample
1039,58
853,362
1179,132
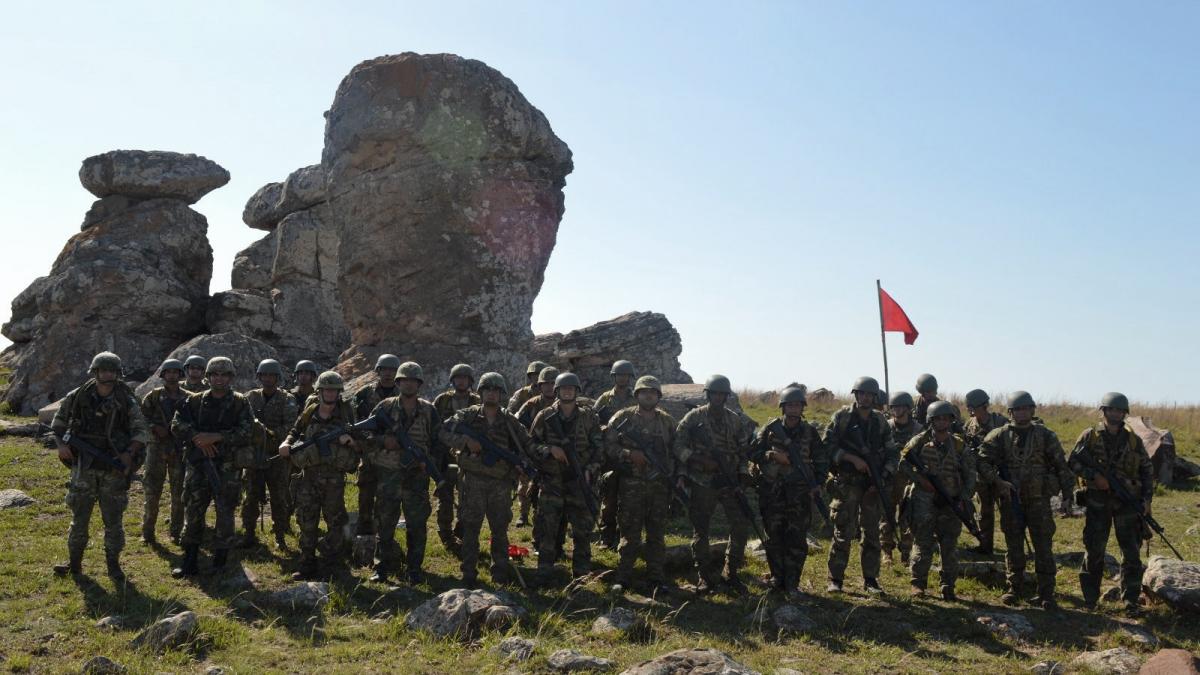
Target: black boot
220,557
113,562
74,566
191,563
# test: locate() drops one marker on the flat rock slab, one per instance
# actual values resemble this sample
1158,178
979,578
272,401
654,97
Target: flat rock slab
1006,624
1118,661
1174,582
621,624
13,499
310,596
172,632
516,648
151,173
1171,662
571,661
464,613
697,661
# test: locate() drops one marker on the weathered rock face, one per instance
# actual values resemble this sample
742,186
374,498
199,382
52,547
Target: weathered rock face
463,613
303,189
446,187
245,352
647,339
252,265
134,282
1160,445
1175,582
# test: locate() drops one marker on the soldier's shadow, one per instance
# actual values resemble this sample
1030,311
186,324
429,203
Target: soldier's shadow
127,601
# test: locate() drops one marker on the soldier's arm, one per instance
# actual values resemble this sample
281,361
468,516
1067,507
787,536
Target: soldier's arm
594,458
1076,461
291,410
524,442
450,438
182,424
906,469
681,446
1066,479
240,433
761,444
612,442
297,431
1145,469
139,428
514,402
383,407
439,450
61,421
891,453
970,475
147,406
830,440
990,456
539,445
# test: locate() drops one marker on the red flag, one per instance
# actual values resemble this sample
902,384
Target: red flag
894,319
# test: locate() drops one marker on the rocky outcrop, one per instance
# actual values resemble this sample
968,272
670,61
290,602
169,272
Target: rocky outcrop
245,352
151,174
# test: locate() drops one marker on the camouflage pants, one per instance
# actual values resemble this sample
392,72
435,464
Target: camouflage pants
1039,522
610,491
444,493
987,514
1103,514
525,497
368,485
644,506
482,497
903,519
274,480
87,487
855,512
701,508
320,491
553,513
198,493
159,468
407,491
786,513
933,524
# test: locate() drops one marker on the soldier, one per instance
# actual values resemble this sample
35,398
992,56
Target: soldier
858,436
305,373
711,443
214,424
193,372
459,396
486,483
568,447
946,456
163,457
365,401
529,390
786,491
403,479
1114,446
543,397
319,481
103,413
618,398
1031,457
275,411
927,393
980,423
903,427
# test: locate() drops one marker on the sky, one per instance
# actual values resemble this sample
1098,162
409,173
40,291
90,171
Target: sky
1022,176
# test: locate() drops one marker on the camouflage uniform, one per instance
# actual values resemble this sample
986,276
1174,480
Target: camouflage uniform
974,432
953,463
645,496
447,403
854,502
277,414
111,423
365,401
302,396
164,460
319,482
520,397
194,387
526,489
720,434
920,410
1034,458
582,431
403,484
608,485
1124,456
784,498
901,435
485,491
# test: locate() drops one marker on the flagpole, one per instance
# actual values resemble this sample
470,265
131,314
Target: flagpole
882,339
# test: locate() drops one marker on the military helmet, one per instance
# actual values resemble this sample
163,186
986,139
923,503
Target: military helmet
304,365
269,367
387,361
107,361
926,384
330,380
462,369
901,398
170,364
492,381
647,382
1116,400
1021,399
535,367
718,384
410,370
881,397
867,385
623,367
976,398
220,364
567,380
195,361
547,374
940,408
792,395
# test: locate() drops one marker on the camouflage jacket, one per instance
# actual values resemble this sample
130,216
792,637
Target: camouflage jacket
717,434
520,397
975,431
628,430
505,431
902,434
447,403
159,409
1035,463
951,461
581,431
301,396
532,407
873,435
921,408
196,388
806,442
309,424
110,423
228,415
1127,460
423,428
612,401
277,413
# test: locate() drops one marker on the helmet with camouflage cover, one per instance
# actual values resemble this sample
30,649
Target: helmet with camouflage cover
547,374
647,382
1021,399
170,364
106,361
976,398
623,367
1115,399
195,361
866,385
462,369
926,384
410,370
269,367
717,384
567,380
220,364
387,361
492,381
901,398
792,395
535,367
941,408
330,380
305,365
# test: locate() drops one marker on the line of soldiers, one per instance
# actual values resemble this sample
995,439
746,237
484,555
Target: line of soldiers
621,462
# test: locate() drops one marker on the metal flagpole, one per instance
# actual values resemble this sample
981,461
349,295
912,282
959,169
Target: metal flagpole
882,339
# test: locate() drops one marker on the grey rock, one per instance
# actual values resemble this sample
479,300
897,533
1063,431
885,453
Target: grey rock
172,632
30,430
102,665
252,265
792,620
270,204
987,571
243,312
261,210
820,395
307,596
459,612
151,174
1138,634
1171,662
698,661
46,413
501,617
678,399
1007,625
571,661
621,624
516,648
107,207
1074,559
1047,668
111,622
12,499
1159,444
1175,582
215,670
1184,469
245,352
1117,661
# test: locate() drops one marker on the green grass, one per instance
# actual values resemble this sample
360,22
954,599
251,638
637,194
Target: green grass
47,623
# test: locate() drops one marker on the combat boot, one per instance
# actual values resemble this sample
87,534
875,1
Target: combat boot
220,557
190,566
74,566
112,561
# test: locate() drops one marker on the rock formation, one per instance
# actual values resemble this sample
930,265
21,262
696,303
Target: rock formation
245,352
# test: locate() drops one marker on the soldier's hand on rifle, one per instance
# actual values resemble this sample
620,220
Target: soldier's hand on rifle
859,465
346,439
474,446
160,432
925,484
780,458
285,450
1005,488
558,454
1100,482
64,454
390,443
638,458
127,459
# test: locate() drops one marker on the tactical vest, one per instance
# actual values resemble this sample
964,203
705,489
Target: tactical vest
1125,463
655,437
103,422
501,433
801,438
342,457
944,461
420,429
579,430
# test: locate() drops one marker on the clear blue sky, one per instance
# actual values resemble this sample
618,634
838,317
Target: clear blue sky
1023,176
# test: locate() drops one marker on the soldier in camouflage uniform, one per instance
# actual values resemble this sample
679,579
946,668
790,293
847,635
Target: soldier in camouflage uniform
485,490
529,390
608,404
927,393
785,494
275,411
365,401
1032,458
305,374
193,373
319,480
568,447
711,442
979,424
403,480
104,413
1115,447
855,502
459,396
163,457
543,396
904,427
214,424
645,493
946,456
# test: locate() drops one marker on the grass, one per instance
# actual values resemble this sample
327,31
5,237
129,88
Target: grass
47,624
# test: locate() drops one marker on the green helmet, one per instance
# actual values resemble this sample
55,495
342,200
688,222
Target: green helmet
881,397
330,380
1021,399
463,369
623,367
220,364
940,408
410,370
901,398
387,361
535,367
867,385
547,374
718,384
305,365
107,361
195,361
1116,400
976,398
647,382
567,380
269,367
492,381
170,364
926,384
792,395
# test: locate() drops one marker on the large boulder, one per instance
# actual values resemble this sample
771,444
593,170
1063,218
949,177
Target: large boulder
303,188
446,186
678,399
173,632
1174,582
135,283
1116,661
647,339
149,174
246,353
252,265
1160,445
1171,662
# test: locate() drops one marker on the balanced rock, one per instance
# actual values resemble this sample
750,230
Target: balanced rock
1159,444
172,632
690,661
245,352
1117,661
252,265
303,188
150,174
460,613
1175,582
